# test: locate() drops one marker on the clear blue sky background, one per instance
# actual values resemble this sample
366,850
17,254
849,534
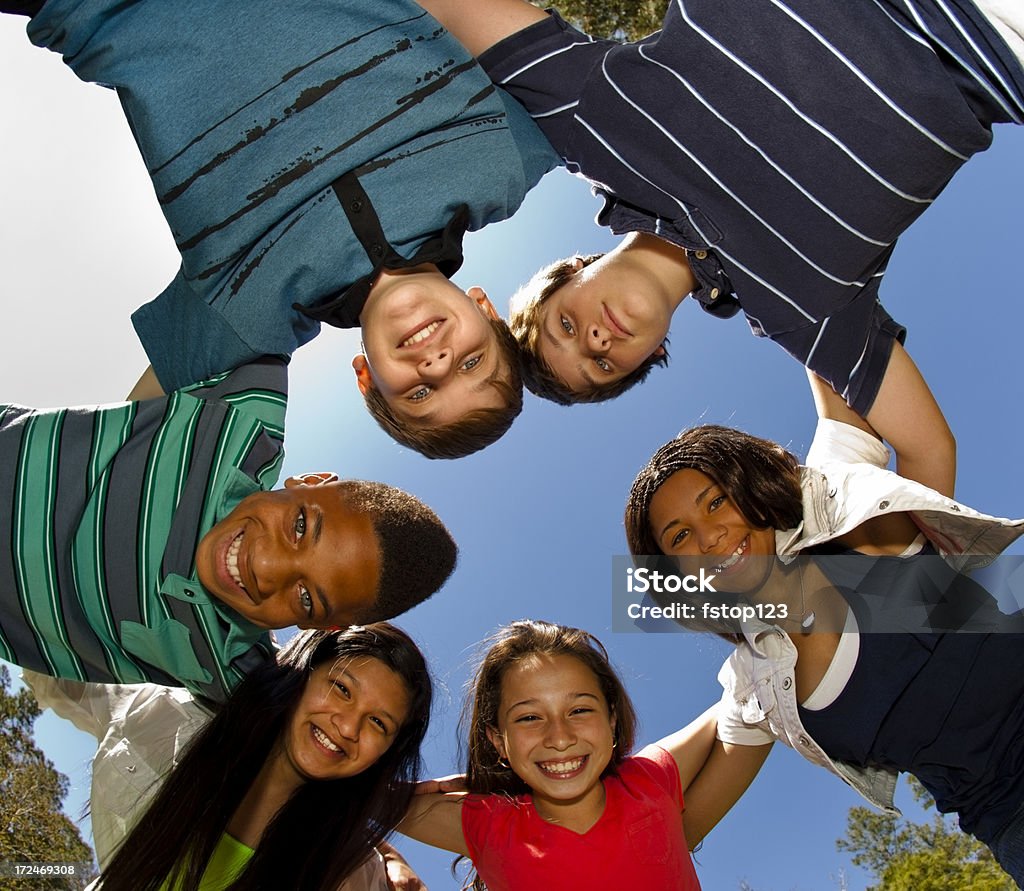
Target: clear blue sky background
538,516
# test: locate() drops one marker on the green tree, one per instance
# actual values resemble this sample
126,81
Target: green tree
621,19
932,856
33,828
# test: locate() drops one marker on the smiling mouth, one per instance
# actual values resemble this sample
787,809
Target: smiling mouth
563,769
733,559
231,563
616,324
326,741
421,334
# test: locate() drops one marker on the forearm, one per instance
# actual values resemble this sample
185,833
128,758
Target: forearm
906,416
479,24
725,776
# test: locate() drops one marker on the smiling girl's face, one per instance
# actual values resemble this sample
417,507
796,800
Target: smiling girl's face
555,729
349,715
692,517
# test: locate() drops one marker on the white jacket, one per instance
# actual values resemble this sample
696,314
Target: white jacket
844,484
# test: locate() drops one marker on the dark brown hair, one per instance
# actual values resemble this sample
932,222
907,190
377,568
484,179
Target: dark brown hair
476,429
525,320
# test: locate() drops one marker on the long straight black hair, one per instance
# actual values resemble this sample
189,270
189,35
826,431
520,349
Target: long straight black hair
327,829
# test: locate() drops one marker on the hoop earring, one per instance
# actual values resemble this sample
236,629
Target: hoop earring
503,762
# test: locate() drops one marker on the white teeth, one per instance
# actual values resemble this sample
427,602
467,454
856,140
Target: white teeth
726,564
231,560
562,766
324,740
422,334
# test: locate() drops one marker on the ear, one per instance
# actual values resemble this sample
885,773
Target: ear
483,302
660,351
311,479
577,264
497,741
364,380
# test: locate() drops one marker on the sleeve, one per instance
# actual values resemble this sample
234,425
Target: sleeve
849,348
371,876
659,765
186,339
92,708
478,814
835,441
732,728
545,67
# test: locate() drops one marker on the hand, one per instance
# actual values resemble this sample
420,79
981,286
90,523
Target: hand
454,783
400,875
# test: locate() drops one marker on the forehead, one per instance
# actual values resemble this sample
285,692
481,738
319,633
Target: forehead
351,558
548,677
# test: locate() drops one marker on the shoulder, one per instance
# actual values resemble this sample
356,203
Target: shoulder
652,765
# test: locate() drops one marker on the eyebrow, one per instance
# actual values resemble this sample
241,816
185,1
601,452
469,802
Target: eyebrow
571,696
700,497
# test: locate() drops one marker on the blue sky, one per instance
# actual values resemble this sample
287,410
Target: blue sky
538,516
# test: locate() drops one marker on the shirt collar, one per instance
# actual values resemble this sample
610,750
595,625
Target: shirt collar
443,249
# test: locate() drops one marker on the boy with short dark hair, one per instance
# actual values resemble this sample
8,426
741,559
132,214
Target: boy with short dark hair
758,155
138,542
318,162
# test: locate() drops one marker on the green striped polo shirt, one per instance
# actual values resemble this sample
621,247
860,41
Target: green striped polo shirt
101,511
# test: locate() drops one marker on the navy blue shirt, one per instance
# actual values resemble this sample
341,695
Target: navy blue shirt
785,145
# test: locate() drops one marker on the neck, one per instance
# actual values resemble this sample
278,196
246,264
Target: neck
665,264
273,786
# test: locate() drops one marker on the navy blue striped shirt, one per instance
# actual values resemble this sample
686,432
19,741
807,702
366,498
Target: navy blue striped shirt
785,144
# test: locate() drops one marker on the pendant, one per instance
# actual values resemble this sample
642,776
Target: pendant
807,620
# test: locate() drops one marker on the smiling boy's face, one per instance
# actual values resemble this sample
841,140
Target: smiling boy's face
430,348
294,556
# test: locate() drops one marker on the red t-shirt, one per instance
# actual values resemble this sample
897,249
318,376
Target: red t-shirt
638,841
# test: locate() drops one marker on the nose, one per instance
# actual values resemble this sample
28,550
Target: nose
599,338
274,566
708,536
436,364
560,734
346,722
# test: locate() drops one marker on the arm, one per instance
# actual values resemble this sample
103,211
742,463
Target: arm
401,876
479,24
436,820
725,776
691,745
906,415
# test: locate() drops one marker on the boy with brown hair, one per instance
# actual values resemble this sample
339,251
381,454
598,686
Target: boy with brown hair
318,162
757,155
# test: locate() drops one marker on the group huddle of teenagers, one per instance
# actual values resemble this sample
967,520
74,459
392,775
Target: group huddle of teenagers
320,161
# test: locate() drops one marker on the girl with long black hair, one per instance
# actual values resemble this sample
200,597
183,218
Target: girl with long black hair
299,775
